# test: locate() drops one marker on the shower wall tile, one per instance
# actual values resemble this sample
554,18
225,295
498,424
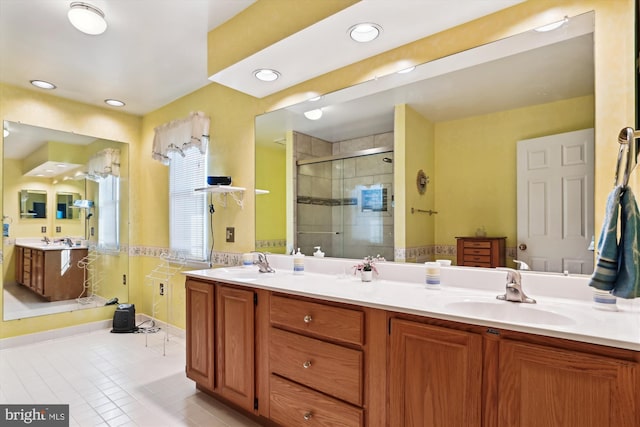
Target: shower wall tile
321,187
320,148
302,144
383,140
304,185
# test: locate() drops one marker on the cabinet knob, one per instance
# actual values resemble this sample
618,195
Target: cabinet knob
307,416
308,318
306,364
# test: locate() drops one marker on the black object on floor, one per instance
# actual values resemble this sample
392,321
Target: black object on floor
124,319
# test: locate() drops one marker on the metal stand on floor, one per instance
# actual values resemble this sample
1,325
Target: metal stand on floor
160,281
92,276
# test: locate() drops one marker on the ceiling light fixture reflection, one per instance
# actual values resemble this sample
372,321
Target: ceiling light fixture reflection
407,70
87,18
365,32
114,103
315,98
42,84
6,132
552,26
266,75
313,114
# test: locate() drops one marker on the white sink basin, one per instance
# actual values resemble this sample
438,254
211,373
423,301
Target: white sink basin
510,312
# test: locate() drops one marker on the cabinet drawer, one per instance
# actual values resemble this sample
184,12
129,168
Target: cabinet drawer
477,258
294,405
323,366
477,251
477,244
318,319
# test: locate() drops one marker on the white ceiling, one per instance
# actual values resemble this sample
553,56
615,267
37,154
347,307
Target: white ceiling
154,52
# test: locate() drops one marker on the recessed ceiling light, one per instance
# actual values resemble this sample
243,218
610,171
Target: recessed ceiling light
552,26
42,84
315,98
114,102
266,74
407,70
87,18
365,32
313,114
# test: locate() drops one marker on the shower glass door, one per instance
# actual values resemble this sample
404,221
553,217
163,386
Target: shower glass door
345,206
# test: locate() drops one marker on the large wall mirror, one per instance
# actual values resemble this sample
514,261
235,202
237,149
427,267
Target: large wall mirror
65,221
457,119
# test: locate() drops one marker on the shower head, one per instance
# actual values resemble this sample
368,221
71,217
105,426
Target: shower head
387,160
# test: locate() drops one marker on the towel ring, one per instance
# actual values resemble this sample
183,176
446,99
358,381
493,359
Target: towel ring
627,140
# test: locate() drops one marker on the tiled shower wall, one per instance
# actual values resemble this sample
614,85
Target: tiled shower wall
330,202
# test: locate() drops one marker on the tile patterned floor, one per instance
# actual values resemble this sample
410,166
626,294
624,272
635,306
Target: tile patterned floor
112,380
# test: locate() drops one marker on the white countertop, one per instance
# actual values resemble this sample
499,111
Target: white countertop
37,243
563,309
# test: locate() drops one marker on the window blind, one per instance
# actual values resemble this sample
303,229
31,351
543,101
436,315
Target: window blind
187,208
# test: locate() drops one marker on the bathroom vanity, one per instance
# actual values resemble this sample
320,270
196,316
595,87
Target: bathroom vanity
50,271
323,349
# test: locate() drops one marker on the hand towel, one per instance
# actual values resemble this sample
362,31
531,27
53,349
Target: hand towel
605,273
627,284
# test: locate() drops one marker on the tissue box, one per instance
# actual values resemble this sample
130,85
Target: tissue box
219,180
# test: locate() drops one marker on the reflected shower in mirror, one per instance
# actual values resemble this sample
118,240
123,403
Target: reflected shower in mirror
63,234
458,119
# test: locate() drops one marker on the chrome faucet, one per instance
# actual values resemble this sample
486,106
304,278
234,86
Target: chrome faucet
263,263
46,240
514,292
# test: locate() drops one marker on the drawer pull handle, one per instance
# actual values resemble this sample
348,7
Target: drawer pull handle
307,416
307,318
306,364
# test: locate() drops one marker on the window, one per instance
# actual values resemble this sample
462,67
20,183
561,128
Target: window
109,214
187,208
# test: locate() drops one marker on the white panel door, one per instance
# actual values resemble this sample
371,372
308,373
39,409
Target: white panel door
555,202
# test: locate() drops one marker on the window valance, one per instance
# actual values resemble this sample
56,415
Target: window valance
178,135
104,163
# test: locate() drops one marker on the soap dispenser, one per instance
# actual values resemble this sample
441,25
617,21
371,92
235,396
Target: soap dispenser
318,253
298,262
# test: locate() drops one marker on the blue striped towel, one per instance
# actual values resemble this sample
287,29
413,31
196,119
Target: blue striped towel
606,271
628,282
618,264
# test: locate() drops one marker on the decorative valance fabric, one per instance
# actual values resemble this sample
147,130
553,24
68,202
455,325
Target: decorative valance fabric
104,163
178,135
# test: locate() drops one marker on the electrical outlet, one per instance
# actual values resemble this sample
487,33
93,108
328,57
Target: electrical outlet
58,229
124,279
231,234
93,231
43,229
161,288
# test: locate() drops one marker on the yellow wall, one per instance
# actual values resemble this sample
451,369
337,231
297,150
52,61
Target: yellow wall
414,151
271,224
475,181
232,113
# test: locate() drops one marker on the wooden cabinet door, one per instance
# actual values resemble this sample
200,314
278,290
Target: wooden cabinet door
544,386
37,271
19,254
235,345
435,376
200,332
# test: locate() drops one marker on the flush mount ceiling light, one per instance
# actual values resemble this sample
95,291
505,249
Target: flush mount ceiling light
42,84
114,102
6,132
266,74
365,32
87,18
552,26
313,114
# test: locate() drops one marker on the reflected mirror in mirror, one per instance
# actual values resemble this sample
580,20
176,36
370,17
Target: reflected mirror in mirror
33,204
64,205
459,119
79,243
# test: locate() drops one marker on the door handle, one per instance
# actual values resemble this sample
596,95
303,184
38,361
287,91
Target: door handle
522,247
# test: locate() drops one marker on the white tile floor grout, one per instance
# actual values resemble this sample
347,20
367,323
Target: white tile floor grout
112,380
